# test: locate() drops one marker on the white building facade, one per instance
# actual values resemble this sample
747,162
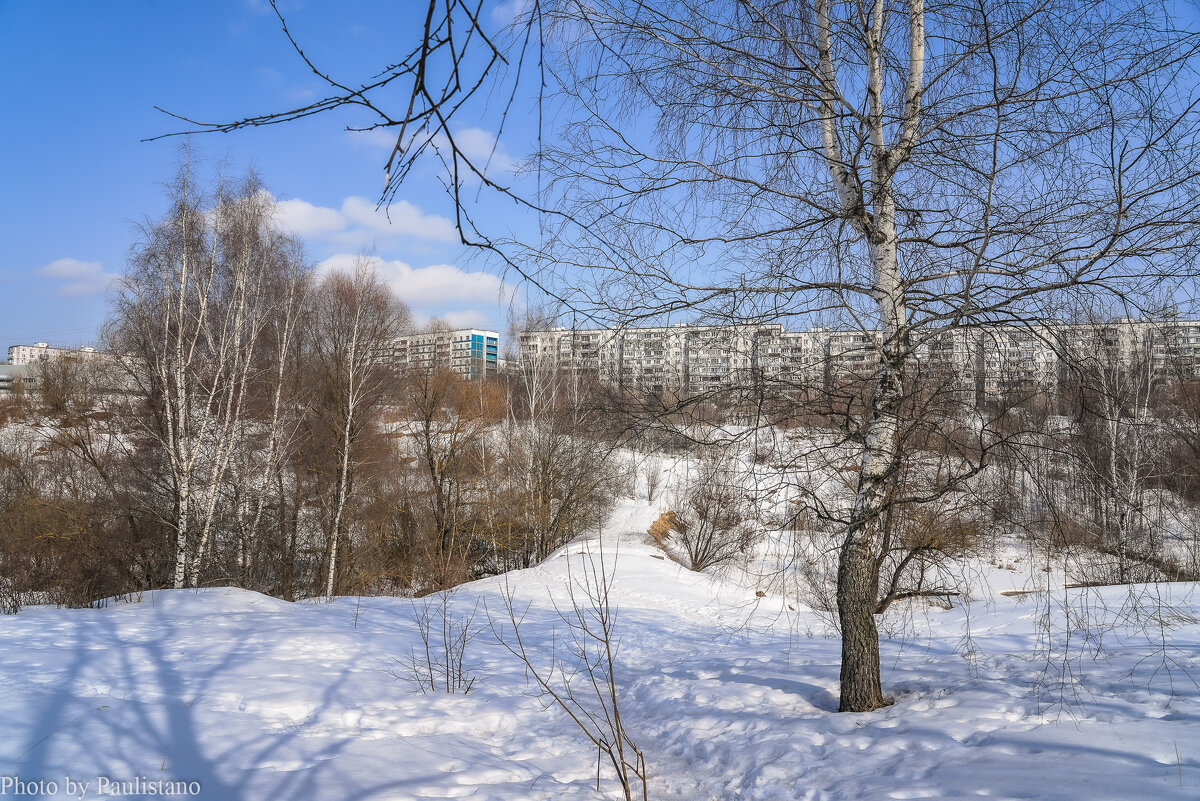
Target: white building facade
661,359
992,359
43,351
471,352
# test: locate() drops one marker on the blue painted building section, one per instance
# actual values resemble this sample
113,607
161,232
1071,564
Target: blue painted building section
485,355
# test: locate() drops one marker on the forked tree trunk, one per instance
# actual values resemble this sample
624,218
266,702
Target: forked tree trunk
858,565
869,205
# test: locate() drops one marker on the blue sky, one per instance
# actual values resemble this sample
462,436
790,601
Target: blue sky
81,79
81,82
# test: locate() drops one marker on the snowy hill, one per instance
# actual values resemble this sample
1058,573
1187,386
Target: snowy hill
729,694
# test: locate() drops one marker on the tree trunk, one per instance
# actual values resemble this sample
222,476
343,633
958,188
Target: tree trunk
181,537
340,504
858,565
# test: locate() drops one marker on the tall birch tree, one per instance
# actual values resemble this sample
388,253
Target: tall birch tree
355,318
190,317
898,167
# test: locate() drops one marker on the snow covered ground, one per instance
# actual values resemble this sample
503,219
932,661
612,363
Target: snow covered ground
730,695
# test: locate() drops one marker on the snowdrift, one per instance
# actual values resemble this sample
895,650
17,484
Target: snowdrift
730,693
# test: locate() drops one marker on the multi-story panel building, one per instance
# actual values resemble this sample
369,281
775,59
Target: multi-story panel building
1009,357
471,352
42,351
16,376
986,359
682,357
1183,346
1172,346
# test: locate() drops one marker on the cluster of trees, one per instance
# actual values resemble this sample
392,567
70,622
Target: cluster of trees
250,430
1093,468
901,165
1106,465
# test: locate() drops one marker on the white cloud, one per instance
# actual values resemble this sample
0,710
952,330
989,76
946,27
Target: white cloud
400,217
477,144
302,218
506,13
359,223
469,318
436,286
482,148
78,277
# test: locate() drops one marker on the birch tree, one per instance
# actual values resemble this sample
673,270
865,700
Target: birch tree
892,166
277,407
1119,442
355,317
190,316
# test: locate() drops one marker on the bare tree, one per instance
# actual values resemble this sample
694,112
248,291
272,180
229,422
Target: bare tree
280,384
442,664
451,418
1118,444
904,166
190,316
713,510
75,528
355,318
901,166
563,475
580,677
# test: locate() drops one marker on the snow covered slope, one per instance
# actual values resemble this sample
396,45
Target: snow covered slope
730,695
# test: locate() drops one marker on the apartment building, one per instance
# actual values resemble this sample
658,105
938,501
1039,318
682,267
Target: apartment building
43,351
695,358
667,358
14,376
472,353
990,360
21,370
